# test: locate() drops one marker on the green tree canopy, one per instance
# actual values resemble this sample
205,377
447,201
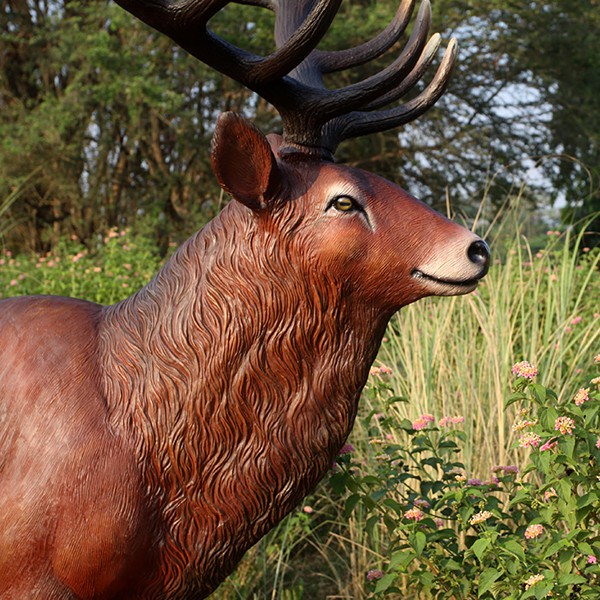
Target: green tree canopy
103,120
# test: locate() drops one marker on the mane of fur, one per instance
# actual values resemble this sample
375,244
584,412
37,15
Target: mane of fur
236,374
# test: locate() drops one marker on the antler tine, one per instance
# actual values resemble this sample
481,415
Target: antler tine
358,95
412,78
339,60
185,22
360,123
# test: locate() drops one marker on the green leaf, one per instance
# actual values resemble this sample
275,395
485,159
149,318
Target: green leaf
418,541
554,548
385,582
515,397
587,499
515,548
350,504
539,392
585,548
486,580
480,546
401,559
571,579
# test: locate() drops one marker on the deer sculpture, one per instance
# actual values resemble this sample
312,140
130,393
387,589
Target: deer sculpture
145,446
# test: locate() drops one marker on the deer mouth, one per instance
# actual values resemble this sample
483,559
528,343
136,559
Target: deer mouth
465,285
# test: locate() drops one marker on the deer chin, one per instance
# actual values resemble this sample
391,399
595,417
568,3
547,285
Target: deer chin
446,287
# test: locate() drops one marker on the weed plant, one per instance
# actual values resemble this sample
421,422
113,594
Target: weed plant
120,264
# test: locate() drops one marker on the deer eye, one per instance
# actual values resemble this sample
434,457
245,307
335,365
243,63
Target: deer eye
344,203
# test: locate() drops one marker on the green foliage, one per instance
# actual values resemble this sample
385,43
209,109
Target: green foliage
451,354
525,532
120,264
102,120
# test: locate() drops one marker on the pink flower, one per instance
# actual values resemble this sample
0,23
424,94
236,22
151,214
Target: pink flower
382,370
346,449
591,559
549,493
414,514
508,469
524,369
475,481
581,396
598,443
374,574
530,440
309,510
523,424
421,503
447,421
422,422
576,320
549,445
534,531
565,425
533,580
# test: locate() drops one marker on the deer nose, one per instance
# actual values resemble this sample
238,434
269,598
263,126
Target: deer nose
479,253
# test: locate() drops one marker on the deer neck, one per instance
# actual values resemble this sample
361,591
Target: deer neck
240,385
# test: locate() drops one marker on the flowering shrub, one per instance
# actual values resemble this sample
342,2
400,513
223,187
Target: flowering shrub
526,531
119,265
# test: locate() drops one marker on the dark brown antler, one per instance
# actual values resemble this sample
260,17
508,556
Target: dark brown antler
315,119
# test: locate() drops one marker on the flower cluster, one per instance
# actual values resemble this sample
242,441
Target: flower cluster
480,517
382,370
374,574
533,580
506,469
565,425
530,440
524,369
582,395
345,449
534,531
523,424
423,421
448,421
414,514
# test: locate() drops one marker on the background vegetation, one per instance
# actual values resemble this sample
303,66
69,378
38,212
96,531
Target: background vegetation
103,121
104,136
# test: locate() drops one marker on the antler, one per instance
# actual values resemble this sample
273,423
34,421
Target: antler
315,119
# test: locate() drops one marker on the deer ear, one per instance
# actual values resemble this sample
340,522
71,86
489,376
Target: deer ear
243,162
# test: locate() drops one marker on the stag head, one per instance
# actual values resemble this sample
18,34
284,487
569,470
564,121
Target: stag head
358,220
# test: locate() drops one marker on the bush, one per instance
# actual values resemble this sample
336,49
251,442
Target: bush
120,264
530,531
